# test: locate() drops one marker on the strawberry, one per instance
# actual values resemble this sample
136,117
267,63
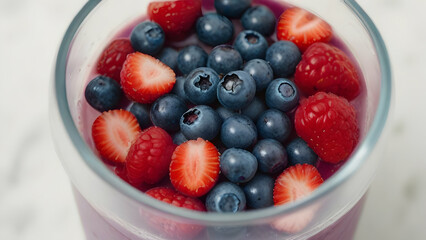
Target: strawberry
329,125
177,18
149,157
113,57
194,169
327,68
175,229
302,28
145,78
113,132
294,183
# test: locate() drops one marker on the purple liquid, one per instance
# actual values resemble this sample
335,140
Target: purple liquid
98,227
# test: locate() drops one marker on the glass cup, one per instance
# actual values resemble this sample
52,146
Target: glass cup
112,209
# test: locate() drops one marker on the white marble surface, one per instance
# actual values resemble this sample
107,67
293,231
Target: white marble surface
35,197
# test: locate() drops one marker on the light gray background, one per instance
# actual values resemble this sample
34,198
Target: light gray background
35,197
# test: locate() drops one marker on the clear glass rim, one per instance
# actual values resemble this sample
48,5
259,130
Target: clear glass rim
360,155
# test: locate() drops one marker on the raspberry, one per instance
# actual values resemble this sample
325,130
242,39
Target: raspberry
172,228
177,18
149,157
111,61
170,196
328,69
328,124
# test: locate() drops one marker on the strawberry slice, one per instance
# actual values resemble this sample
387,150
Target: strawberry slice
194,169
302,28
112,58
294,183
145,78
113,133
177,18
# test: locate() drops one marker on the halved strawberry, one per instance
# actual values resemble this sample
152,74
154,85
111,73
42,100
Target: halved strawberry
177,18
113,133
302,28
112,58
194,169
294,183
145,78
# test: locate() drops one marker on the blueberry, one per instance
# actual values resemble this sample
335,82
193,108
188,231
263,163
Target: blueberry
224,59
232,8
254,109
236,90
200,122
103,93
271,156
238,131
224,113
282,94
226,197
147,37
169,57
166,112
179,138
238,165
178,88
299,152
251,45
261,72
260,19
283,56
274,124
259,191
214,29
141,112
201,85
190,58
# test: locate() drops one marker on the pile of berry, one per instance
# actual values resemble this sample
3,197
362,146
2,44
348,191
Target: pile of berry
241,127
